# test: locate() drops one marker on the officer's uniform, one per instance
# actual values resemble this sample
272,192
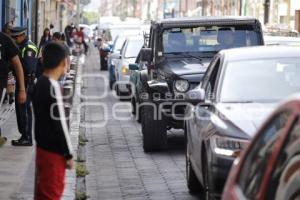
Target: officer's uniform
8,50
28,54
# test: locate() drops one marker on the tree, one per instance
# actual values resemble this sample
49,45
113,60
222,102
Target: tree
89,18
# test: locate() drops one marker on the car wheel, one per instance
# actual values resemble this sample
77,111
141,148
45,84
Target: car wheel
206,179
133,106
154,130
193,183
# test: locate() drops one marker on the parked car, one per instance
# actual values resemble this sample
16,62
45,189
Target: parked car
177,57
280,40
129,53
238,92
113,58
137,70
270,167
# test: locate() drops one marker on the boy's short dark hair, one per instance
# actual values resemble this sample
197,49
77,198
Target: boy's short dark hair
53,55
57,35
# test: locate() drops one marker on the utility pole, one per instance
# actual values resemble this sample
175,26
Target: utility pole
78,13
266,11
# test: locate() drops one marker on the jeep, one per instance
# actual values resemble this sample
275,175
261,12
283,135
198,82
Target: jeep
177,56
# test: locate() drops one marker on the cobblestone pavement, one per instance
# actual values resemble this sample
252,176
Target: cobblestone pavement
119,169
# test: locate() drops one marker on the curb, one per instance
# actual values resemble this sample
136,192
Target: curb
70,181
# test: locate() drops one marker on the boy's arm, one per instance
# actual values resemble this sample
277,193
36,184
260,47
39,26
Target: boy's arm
60,121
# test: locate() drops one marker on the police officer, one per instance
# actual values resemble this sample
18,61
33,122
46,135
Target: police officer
9,55
28,51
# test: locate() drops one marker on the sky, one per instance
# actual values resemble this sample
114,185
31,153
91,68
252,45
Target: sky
93,6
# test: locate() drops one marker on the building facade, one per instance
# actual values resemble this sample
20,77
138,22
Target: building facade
37,14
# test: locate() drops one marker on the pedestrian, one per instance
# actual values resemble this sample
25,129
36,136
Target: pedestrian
54,149
28,51
81,37
9,55
68,34
45,39
59,39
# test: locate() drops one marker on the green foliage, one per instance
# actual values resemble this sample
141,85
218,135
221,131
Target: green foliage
89,18
81,196
81,170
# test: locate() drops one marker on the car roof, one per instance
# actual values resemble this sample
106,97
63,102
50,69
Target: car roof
260,52
208,20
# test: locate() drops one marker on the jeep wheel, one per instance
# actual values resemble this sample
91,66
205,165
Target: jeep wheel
193,183
133,106
154,130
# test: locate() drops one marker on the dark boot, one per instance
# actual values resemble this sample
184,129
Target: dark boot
22,142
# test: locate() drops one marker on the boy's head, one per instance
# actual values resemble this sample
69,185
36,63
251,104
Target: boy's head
54,57
56,37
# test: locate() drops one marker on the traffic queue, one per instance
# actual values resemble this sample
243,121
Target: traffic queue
229,87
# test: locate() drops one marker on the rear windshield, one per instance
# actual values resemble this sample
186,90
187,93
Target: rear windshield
208,39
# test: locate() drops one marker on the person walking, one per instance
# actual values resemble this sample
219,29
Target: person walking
53,146
29,53
81,37
45,39
9,56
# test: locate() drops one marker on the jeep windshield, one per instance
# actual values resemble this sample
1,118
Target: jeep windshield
208,39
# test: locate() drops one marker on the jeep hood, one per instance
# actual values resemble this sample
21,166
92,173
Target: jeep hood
185,66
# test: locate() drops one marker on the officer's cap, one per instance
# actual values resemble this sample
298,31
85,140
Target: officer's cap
16,31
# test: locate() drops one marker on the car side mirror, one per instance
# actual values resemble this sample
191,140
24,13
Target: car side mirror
196,95
107,50
146,55
133,67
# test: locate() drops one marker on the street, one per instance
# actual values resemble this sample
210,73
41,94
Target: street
149,100
118,166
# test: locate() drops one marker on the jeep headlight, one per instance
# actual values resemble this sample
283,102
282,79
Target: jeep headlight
182,86
228,146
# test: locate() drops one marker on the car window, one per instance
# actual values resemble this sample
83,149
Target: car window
208,39
284,183
119,44
276,79
133,48
257,160
210,87
205,79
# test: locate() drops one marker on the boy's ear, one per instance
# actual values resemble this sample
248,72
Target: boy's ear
63,63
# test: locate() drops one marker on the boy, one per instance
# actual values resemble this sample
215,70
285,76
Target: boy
54,150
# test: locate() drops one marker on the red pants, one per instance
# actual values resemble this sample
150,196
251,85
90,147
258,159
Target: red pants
50,175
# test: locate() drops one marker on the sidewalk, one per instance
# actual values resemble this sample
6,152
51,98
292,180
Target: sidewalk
17,166
14,161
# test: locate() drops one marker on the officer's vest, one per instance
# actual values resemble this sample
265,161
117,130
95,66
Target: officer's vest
31,46
31,67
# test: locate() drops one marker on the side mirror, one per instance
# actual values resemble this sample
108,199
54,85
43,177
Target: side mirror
196,95
107,50
133,66
146,55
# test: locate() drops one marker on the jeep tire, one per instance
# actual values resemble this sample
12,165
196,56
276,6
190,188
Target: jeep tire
154,130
